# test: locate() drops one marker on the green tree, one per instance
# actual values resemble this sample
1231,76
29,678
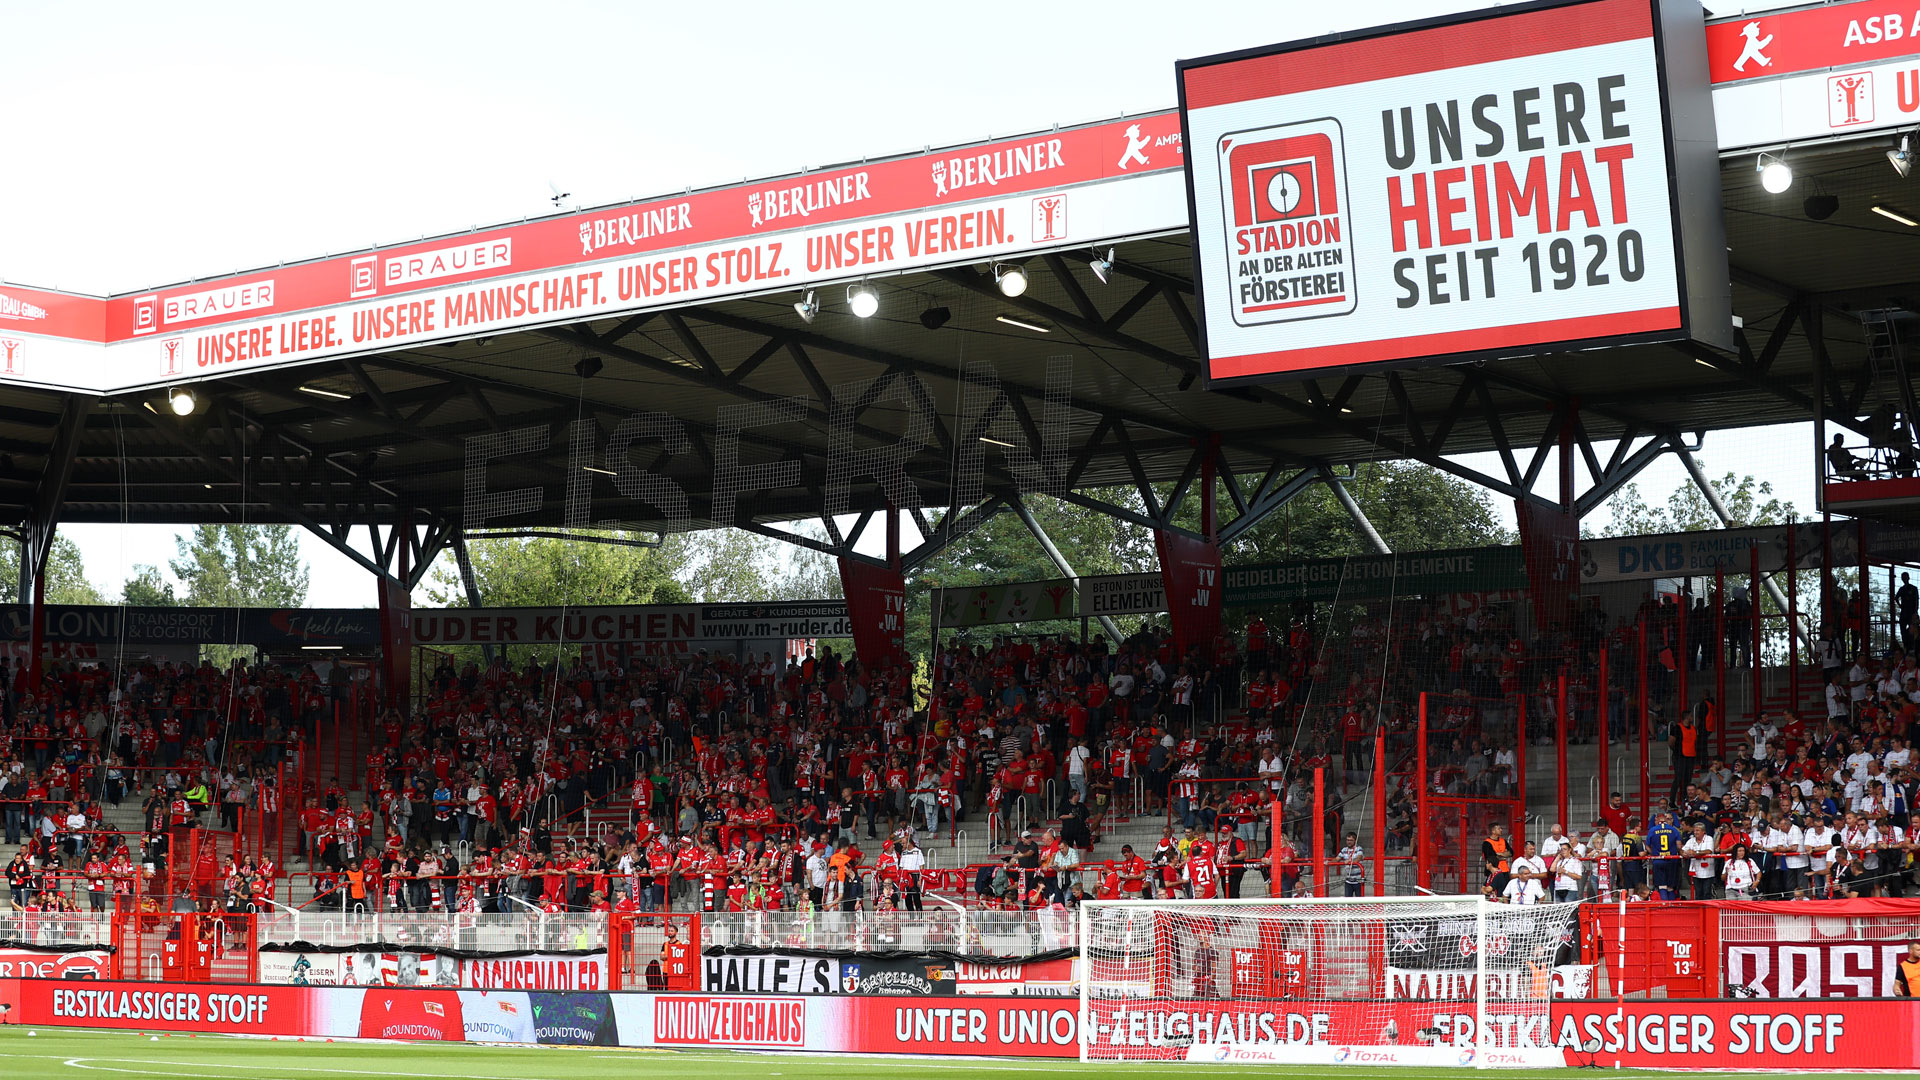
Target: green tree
546,571
66,575
735,566
1004,550
146,588
1414,507
241,566
1748,502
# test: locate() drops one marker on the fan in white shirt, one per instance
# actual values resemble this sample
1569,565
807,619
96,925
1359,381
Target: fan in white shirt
1529,876
1863,839
1699,849
1569,871
1837,707
1820,841
1741,874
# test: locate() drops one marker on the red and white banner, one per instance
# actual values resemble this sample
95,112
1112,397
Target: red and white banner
150,1006
34,964
1845,71
1805,969
1839,102
1811,39
877,606
534,971
1835,1034
1190,576
1550,545
1768,1036
1042,978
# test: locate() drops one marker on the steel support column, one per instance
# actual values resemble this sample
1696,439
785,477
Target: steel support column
1358,515
1719,509
468,582
1019,507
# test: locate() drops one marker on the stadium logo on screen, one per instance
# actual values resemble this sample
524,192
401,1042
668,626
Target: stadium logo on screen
1288,226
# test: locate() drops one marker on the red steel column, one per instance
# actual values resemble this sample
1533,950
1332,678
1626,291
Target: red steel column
1793,620
1720,658
1683,652
1379,811
1423,853
1560,751
1320,832
1605,740
1753,602
1646,785
1520,772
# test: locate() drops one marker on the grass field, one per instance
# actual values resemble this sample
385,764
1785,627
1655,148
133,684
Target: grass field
77,1055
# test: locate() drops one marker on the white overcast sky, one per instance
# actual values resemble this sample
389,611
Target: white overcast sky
141,144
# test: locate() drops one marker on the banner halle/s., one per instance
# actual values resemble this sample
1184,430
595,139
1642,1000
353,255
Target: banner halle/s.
771,974
1501,183
777,973
877,606
1190,571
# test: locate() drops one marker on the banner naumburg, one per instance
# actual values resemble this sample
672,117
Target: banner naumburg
1522,180
719,623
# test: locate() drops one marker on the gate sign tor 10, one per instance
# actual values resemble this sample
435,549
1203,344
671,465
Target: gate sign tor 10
1526,180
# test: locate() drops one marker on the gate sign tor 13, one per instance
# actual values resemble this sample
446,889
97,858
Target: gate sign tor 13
1532,179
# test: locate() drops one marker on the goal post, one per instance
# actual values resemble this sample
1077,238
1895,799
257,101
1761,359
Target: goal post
1402,980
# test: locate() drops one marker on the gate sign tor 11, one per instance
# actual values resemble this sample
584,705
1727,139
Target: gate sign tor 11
1533,179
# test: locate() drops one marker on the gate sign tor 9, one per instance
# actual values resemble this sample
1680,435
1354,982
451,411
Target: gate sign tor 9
1533,179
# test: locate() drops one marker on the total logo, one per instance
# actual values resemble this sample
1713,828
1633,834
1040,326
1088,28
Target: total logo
1365,1055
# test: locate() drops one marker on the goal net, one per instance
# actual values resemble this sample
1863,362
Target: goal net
1452,981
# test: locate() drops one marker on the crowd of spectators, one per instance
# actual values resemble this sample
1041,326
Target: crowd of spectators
700,780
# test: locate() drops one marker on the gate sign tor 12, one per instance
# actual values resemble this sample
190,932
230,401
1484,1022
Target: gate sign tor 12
1532,179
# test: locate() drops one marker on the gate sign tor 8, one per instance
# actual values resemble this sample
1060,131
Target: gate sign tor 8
1533,179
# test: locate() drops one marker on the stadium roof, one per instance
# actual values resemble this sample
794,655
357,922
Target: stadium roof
359,438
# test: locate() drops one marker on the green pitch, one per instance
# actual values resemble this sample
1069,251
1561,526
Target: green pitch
99,1055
